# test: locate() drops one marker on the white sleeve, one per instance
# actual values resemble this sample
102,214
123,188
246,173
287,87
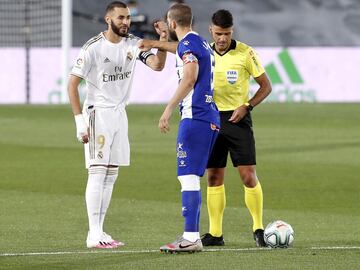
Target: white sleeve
82,64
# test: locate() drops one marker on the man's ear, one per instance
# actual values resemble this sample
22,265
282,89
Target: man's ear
210,30
173,24
107,19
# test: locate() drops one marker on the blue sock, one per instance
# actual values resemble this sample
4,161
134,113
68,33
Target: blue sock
191,204
198,216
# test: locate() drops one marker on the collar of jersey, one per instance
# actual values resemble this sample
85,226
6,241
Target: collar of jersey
190,32
231,47
109,42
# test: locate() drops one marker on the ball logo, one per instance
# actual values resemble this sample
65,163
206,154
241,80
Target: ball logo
232,76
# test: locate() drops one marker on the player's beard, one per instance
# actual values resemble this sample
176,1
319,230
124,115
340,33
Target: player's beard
172,35
116,30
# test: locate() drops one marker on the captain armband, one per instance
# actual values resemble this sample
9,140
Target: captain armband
144,55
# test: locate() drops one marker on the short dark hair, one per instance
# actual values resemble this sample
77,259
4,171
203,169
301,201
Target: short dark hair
177,1
115,4
180,13
222,18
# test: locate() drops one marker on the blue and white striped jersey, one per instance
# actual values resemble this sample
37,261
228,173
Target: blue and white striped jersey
199,103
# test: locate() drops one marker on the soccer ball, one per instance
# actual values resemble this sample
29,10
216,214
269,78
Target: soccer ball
278,234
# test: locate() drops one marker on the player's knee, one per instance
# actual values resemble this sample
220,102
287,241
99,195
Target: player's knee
97,172
189,182
215,178
111,175
248,177
96,176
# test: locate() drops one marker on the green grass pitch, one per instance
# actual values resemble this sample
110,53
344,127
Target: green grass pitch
308,164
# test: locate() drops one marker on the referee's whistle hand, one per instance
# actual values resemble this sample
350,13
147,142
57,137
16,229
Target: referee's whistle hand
238,114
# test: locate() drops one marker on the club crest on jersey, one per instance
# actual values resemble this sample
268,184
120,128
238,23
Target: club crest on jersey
107,60
232,76
100,155
129,56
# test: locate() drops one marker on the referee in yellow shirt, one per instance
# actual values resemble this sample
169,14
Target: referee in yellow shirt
235,62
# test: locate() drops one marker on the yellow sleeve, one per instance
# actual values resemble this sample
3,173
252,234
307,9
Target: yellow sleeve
253,64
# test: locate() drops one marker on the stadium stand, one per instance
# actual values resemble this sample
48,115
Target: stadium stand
257,22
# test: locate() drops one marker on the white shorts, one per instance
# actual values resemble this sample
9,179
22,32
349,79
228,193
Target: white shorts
108,137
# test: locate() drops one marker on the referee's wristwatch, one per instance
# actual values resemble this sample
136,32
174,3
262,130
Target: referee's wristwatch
249,107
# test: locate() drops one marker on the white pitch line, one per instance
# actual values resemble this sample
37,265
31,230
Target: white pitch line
75,252
117,252
157,251
329,248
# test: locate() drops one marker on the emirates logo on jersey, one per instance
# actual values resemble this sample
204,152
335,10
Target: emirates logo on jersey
118,75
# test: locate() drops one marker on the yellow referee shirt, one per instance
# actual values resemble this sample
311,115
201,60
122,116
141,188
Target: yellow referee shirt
232,75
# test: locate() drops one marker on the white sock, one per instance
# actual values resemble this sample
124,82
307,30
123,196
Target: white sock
111,175
191,236
93,197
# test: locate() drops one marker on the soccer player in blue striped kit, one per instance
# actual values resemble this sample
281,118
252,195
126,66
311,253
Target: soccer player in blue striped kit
200,123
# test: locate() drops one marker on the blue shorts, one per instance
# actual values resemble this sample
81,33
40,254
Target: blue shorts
194,144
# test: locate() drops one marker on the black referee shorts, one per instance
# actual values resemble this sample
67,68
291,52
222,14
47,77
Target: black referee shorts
238,139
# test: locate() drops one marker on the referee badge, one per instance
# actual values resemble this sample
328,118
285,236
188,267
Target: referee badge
232,76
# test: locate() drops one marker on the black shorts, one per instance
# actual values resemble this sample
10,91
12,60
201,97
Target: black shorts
238,139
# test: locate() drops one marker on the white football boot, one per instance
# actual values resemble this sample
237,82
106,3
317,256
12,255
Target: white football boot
108,239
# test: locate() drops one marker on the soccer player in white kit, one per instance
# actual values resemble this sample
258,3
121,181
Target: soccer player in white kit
107,62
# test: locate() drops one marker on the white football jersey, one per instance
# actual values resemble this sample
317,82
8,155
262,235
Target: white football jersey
108,69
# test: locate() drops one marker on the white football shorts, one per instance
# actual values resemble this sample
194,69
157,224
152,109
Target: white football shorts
108,137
